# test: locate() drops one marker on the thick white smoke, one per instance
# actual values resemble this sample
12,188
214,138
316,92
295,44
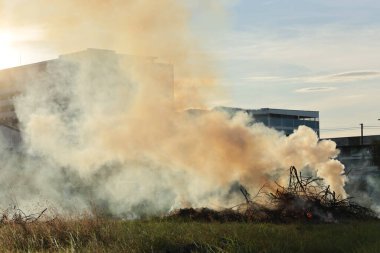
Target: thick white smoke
106,130
113,136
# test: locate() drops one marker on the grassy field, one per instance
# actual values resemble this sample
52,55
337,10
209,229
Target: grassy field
97,235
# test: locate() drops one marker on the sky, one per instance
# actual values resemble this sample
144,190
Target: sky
318,55
306,54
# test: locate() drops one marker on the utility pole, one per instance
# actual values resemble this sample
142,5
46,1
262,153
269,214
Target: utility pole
361,135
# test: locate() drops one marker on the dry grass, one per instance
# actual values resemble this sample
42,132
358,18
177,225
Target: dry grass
106,235
205,230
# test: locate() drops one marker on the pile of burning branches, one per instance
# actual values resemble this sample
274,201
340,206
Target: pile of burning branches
304,199
308,198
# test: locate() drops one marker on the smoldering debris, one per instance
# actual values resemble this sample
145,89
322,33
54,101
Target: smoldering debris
308,197
304,199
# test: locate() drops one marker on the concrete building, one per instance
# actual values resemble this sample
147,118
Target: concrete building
14,80
93,65
280,119
359,158
361,161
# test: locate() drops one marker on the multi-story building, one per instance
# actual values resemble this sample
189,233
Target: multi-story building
280,119
361,158
358,155
11,84
99,68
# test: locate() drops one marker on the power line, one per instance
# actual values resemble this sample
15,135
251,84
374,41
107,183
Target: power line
337,129
340,128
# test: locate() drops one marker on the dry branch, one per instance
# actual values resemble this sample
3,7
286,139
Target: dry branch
305,198
17,216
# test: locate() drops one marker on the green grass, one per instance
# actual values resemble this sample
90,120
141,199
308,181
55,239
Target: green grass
97,235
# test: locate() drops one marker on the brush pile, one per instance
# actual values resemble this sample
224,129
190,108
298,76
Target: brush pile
308,198
304,199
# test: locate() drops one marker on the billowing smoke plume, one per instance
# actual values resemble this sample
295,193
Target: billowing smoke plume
108,131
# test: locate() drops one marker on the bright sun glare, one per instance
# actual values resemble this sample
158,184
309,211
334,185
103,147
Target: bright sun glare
8,53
